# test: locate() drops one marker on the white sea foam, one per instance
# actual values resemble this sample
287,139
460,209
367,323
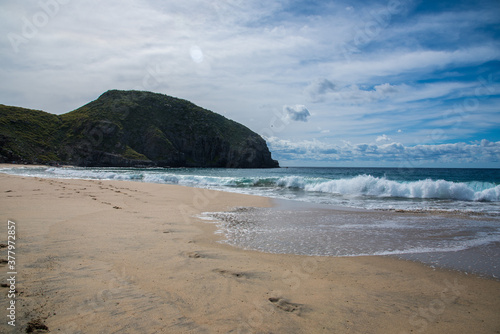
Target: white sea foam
362,185
361,191
339,233
489,195
366,185
292,182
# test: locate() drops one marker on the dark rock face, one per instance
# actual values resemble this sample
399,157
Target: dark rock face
132,128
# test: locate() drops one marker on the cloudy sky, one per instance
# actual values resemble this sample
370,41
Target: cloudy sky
326,83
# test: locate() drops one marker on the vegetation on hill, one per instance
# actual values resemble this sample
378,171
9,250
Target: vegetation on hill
131,128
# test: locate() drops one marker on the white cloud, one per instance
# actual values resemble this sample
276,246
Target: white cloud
383,138
317,89
355,94
314,150
385,89
392,62
233,56
297,113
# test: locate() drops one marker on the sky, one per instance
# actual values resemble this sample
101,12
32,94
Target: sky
391,83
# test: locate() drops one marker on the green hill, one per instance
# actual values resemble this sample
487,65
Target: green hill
131,128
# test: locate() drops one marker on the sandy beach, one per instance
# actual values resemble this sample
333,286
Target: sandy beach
129,257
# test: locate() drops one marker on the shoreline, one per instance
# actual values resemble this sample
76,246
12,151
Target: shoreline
477,260
128,256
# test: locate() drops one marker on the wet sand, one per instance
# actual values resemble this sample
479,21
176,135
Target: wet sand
127,257
443,239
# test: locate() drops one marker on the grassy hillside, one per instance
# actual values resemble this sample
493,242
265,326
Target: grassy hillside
126,128
28,135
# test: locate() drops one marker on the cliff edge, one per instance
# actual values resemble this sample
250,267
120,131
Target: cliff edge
131,129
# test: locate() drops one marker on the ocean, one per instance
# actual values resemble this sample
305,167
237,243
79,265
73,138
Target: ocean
442,217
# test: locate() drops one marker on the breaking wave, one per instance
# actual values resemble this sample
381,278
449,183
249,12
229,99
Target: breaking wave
358,186
432,189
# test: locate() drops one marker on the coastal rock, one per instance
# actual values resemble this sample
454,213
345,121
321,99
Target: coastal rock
131,129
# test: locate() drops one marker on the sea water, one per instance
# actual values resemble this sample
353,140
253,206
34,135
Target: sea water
474,191
444,217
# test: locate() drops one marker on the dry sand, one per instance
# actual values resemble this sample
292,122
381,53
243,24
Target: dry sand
127,257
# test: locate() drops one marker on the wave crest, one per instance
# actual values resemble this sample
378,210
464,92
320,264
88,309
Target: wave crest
368,185
358,186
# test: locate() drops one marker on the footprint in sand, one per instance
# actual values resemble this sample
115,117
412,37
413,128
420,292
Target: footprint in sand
37,326
194,255
233,273
284,305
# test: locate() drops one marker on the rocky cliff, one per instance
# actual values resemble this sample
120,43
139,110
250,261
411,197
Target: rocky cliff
131,128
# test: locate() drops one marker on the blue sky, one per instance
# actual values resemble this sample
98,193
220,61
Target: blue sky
326,83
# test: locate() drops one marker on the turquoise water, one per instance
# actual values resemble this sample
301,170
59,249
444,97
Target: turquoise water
418,189
442,217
